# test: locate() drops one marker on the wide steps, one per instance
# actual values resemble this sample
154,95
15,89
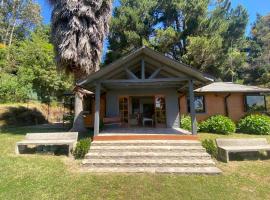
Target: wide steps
166,170
148,162
147,155
153,156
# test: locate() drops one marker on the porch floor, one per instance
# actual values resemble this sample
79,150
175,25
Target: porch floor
144,134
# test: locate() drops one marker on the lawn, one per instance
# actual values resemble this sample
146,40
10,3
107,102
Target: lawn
57,177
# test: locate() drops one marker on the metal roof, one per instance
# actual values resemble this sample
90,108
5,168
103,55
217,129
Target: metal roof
231,87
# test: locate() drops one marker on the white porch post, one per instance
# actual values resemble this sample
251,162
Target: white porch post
97,109
192,108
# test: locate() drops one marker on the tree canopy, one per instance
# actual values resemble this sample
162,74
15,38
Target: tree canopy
209,36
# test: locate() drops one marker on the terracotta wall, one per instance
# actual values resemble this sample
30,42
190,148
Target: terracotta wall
215,104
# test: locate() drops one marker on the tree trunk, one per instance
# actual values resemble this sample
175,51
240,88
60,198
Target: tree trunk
78,123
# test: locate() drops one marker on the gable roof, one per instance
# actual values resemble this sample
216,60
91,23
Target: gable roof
230,87
152,54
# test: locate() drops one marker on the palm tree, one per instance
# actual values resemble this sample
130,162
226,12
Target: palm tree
78,31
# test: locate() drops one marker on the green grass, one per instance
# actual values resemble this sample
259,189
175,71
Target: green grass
58,177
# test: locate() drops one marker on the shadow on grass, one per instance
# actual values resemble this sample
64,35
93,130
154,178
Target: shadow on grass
22,116
244,156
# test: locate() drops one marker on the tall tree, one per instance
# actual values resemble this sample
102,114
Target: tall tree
78,30
204,35
259,52
131,27
18,18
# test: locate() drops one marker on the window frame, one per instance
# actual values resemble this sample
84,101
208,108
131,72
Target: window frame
204,104
246,105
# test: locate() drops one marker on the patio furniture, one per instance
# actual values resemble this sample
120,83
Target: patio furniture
61,138
112,121
226,146
146,119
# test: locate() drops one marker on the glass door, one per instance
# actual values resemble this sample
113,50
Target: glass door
123,109
160,112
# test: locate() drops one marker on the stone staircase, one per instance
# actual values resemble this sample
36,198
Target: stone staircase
154,156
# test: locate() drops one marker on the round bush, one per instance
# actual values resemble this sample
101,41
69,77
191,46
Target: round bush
185,122
218,124
254,124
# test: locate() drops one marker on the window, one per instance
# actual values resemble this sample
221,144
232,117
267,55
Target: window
199,104
255,103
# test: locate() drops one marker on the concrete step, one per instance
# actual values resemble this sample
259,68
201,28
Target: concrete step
146,155
131,162
147,143
147,148
174,170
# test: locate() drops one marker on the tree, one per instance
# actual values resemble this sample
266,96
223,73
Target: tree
131,27
31,69
78,31
185,30
259,52
18,18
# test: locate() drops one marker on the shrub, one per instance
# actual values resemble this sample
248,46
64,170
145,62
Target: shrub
82,148
210,147
218,124
255,124
185,122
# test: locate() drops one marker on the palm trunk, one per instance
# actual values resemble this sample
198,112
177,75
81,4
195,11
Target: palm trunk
78,123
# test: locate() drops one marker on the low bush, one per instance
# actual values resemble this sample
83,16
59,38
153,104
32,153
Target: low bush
218,124
254,124
82,148
210,147
185,122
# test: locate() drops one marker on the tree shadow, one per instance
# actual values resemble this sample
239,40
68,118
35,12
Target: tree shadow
22,116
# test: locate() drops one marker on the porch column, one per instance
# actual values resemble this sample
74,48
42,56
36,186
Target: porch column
97,109
192,108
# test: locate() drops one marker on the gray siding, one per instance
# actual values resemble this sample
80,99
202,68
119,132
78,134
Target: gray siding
171,98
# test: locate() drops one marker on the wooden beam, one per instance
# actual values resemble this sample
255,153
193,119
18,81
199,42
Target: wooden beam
192,107
154,80
143,70
155,73
131,74
97,109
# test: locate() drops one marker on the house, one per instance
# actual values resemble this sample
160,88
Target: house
147,89
226,98
142,88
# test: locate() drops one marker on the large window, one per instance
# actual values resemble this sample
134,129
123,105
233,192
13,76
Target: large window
255,103
199,104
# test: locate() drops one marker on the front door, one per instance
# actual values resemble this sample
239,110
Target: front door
160,112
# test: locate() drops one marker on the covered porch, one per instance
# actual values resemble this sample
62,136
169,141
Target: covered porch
144,73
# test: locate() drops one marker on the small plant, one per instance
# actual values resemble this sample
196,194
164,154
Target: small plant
254,124
210,147
218,124
185,122
82,148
